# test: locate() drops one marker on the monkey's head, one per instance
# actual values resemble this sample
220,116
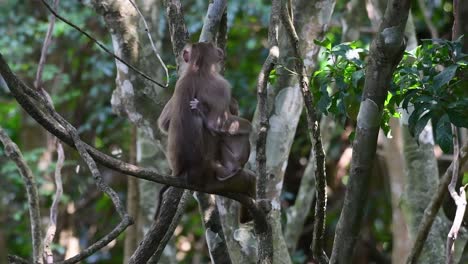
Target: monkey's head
202,56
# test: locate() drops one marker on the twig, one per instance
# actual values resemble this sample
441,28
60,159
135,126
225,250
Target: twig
13,152
431,210
152,42
459,199
315,137
102,46
52,227
45,47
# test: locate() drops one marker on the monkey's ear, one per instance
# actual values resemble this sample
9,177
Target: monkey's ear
186,55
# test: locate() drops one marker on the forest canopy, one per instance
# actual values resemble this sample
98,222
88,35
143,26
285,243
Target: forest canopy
343,129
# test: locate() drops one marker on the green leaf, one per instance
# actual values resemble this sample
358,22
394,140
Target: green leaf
407,97
421,123
272,77
444,134
458,116
356,77
444,77
413,120
323,103
326,43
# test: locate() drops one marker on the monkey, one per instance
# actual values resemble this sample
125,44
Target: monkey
192,147
234,146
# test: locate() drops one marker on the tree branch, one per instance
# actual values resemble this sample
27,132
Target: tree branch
315,137
386,52
431,211
166,71
13,152
459,199
33,104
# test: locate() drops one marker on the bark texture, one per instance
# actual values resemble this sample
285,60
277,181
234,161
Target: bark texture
386,52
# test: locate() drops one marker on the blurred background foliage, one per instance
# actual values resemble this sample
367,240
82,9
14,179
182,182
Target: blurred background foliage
80,78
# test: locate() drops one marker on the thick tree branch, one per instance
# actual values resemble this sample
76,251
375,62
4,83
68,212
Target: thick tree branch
155,239
265,243
385,53
431,211
262,107
34,105
12,151
315,137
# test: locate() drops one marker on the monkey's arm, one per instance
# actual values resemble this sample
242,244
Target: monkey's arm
213,124
235,125
165,118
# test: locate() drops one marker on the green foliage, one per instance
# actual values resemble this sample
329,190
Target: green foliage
432,80
429,83
338,85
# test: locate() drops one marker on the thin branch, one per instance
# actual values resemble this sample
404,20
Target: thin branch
102,46
126,219
316,139
431,210
45,47
428,19
152,42
459,199
52,227
13,152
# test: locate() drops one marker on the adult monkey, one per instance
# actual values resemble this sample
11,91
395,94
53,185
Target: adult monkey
194,137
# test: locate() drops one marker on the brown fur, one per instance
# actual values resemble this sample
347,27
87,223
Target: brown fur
192,149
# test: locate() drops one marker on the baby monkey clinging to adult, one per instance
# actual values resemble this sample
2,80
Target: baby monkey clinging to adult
207,144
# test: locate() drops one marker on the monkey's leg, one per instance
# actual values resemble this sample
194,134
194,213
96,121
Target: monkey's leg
244,181
235,151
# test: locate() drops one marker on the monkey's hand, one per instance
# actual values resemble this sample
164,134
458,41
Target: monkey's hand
194,104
